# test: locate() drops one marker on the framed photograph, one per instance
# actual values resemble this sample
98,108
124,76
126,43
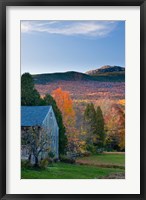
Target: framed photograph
72,99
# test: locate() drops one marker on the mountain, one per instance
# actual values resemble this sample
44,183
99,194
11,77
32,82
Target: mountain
107,69
105,74
108,73
64,76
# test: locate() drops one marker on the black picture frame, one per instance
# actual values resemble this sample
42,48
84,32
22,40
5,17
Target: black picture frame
3,166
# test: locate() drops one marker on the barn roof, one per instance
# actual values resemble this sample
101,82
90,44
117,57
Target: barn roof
33,115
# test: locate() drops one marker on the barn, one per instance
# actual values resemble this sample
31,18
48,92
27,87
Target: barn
43,118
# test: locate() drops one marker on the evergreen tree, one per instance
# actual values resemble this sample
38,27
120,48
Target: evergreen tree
94,126
48,100
100,127
29,95
90,122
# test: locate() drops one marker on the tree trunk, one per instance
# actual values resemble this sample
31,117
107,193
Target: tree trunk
29,158
36,162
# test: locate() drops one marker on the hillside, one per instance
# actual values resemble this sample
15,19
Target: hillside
64,76
84,92
102,74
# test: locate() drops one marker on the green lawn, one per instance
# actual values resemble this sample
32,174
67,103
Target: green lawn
97,166
106,160
68,171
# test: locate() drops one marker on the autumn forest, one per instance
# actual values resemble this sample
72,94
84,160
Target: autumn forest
74,98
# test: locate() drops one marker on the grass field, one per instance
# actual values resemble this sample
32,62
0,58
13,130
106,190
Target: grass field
91,170
69,171
104,160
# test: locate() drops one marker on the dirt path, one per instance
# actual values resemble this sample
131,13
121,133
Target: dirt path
119,175
113,153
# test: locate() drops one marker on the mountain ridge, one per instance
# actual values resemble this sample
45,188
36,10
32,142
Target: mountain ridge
104,74
65,76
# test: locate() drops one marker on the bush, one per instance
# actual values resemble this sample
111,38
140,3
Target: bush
67,159
51,154
92,149
56,160
99,150
43,164
25,164
50,160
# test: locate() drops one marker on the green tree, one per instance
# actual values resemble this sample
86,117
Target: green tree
100,127
48,100
29,95
90,123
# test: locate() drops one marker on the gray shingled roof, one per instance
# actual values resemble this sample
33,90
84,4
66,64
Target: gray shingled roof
33,115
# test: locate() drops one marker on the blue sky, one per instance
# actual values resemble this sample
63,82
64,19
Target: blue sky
59,46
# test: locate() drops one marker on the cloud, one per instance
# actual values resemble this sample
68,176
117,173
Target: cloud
70,28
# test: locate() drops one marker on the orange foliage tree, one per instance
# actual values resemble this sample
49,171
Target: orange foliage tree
65,104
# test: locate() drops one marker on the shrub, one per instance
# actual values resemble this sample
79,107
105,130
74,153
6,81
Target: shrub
99,150
67,159
51,154
50,160
56,160
91,148
25,164
43,164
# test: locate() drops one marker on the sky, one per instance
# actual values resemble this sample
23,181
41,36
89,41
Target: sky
60,46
